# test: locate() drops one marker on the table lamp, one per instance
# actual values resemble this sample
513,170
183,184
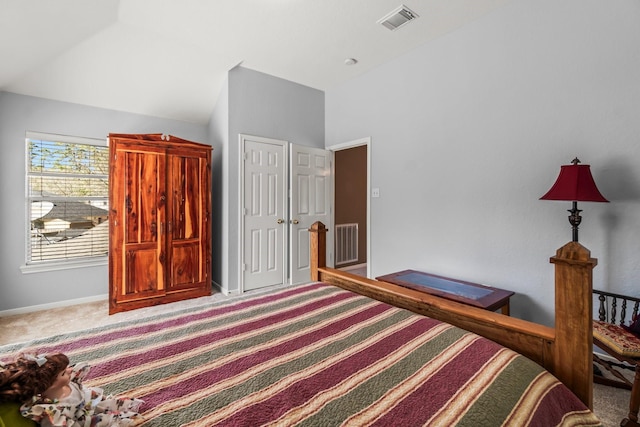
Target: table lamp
575,184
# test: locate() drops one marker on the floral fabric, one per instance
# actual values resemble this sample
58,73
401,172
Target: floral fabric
84,407
617,338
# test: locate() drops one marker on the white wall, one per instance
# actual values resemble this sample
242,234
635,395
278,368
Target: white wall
266,106
470,130
219,136
251,102
19,114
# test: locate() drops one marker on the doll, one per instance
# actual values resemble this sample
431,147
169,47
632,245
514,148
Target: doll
52,394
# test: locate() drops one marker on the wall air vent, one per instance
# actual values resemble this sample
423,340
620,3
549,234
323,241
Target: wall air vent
398,18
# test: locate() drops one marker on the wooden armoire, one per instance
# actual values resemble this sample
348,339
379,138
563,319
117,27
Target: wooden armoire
159,219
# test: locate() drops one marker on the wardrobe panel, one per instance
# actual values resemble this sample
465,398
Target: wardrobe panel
160,201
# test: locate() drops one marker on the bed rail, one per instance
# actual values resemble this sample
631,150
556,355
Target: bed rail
565,350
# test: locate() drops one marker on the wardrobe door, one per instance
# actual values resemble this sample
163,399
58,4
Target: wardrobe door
138,210
160,238
188,236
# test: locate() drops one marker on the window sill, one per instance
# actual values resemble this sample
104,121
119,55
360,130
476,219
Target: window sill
62,265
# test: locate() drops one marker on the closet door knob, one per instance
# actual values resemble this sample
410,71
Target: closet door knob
295,221
280,220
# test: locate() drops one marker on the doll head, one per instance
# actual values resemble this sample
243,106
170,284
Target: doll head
29,375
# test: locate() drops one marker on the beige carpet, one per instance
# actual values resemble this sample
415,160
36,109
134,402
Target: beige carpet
610,404
23,327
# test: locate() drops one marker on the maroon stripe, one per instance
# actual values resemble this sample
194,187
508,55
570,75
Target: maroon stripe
242,364
556,403
149,355
110,335
415,409
303,390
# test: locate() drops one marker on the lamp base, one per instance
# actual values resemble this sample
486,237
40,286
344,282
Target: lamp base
575,219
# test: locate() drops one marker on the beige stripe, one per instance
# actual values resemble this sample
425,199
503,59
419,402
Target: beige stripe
144,322
395,395
277,387
466,396
580,419
530,400
118,355
186,400
147,388
115,376
321,399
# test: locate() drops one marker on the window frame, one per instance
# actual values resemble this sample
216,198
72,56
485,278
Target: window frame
31,266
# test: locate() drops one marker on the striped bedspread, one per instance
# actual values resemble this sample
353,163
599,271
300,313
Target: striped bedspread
315,355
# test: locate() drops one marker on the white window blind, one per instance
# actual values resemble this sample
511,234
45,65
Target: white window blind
67,198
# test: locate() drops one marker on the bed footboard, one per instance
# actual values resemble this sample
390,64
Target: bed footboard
565,350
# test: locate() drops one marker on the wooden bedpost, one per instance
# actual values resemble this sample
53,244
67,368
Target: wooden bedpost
574,317
318,244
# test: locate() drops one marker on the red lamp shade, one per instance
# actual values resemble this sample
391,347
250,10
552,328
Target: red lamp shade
575,183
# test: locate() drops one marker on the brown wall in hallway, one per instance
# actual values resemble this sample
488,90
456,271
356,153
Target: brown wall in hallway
351,193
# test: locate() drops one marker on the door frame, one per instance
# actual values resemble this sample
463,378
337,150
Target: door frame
285,144
344,146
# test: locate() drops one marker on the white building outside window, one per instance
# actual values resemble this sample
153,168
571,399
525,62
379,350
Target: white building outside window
67,187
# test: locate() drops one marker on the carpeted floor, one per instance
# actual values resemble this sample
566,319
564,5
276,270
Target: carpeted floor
23,327
610,404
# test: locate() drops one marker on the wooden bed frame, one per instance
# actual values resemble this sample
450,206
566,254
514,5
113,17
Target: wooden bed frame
565,350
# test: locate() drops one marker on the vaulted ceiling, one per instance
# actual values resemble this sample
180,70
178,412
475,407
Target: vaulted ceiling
170,58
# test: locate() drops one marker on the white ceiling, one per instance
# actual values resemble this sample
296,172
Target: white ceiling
169,58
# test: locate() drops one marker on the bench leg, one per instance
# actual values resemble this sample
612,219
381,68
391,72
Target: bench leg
634,402
505,309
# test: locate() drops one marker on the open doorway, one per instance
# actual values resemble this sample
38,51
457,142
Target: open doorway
351,207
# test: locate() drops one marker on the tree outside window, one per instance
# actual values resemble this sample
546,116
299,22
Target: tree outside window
67,198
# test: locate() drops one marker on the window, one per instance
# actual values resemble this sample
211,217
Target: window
67,198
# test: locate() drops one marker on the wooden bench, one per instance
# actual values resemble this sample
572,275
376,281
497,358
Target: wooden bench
481,296
614,312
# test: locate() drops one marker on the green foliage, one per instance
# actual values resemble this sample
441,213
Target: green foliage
68,169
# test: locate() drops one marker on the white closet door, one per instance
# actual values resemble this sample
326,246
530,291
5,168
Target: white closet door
310,202
265,208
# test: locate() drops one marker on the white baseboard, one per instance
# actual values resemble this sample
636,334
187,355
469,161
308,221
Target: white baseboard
353,267
67,303
49,306
225,291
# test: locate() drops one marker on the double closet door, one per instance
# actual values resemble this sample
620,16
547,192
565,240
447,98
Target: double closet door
285,189
160,210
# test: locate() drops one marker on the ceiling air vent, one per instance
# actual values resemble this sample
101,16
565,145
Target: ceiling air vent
398,18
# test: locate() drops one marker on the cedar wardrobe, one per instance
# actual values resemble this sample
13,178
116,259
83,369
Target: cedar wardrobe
160,215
